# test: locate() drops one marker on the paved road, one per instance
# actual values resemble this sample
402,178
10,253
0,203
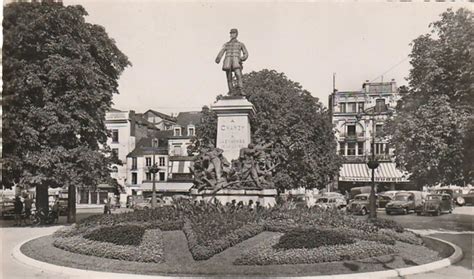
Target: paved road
457,228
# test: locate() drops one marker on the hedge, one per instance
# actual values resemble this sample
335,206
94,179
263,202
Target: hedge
312,238
120,235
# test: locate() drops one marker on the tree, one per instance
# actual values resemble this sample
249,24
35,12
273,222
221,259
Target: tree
295,122
59,77
430,133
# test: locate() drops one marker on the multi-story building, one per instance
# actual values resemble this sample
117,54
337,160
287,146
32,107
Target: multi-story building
171,155
359,118
126,128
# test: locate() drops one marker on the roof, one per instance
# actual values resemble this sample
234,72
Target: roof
162,115
189,117
143,147
140,120
114,110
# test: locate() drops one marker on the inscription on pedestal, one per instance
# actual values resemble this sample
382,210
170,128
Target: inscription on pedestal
233,134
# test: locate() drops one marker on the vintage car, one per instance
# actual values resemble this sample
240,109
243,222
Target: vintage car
360,204
331,202
454,192
469,197
404,202
384,200
436,204
146,204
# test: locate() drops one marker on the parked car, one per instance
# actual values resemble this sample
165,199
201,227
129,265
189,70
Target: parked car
390,193
331,202
436,204
404,202
469,197
359,190
454,192
146,204
384,200
360,204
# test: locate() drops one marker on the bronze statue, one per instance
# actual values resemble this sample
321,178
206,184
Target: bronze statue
233,60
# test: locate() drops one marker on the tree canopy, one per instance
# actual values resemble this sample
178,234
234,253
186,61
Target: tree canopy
60,73
431,132
297,124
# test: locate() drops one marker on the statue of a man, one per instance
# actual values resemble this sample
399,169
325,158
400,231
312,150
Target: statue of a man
233,59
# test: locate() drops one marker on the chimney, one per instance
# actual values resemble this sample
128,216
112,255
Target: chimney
131,116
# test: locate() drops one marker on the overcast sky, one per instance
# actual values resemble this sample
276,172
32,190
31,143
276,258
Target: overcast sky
172,46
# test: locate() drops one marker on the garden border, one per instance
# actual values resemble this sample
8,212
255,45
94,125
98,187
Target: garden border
455,257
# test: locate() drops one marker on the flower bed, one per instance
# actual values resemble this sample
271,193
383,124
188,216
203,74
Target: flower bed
312,238
120,235
265,254
149,250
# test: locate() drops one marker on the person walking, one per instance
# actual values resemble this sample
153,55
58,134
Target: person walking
18,209
55,211
28,202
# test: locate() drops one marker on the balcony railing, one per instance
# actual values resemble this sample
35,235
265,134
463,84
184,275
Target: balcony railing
352,135
365,158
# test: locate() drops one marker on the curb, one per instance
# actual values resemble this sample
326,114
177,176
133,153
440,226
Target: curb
455,257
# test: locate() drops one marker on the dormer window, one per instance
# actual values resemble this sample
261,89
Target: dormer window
177,131
191,131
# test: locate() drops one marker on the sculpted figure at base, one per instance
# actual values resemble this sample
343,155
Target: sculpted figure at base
253,169
235,54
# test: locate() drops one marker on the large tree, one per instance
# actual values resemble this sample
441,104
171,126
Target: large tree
297,124
431,135
60,73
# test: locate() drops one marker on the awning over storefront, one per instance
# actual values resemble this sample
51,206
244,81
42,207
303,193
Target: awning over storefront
173,187
180,166
360,172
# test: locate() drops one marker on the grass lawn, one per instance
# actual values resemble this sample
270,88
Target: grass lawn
178,260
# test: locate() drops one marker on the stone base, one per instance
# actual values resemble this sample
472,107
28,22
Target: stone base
266,197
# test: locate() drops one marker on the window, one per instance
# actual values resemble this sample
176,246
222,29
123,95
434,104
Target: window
177,131
342,107
342,147
161,161
148,161
115,135
351,130
134,163
351,146
361,107
379,148
115,153
177,150
380,105
161,176
148,175
191,131
378,130
134,178
360,148
351,107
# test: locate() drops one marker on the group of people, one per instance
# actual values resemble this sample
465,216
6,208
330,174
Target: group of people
23,209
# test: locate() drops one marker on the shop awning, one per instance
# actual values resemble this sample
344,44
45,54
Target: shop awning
360,172
173,187
179,166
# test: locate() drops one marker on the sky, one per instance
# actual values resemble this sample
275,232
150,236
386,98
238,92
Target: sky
173,45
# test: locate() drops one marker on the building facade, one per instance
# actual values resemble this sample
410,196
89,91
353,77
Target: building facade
359,118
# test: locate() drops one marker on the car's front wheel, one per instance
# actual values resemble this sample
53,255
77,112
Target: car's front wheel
460,201
363,211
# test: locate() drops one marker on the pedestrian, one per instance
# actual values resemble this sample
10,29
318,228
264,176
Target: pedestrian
55,210
28,202
107,206
18,209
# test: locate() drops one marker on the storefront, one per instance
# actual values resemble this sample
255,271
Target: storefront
95,196
387,177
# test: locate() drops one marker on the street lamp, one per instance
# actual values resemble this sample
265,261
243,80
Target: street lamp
373,164
154,169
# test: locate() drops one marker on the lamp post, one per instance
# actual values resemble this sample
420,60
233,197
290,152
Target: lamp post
373,164
154,169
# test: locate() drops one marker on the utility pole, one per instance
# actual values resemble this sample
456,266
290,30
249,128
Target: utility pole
154,170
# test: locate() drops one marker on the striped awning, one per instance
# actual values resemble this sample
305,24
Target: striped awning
179,166
161,187
360,172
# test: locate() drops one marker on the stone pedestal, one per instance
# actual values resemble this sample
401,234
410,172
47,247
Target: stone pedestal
265,197
233,125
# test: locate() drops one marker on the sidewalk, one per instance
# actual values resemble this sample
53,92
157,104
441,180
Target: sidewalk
465,210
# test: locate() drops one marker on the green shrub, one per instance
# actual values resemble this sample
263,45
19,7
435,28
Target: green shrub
312,238
382,223
120,235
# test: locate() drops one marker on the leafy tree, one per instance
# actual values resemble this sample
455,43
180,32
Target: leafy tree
59,77
431,135
295,122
